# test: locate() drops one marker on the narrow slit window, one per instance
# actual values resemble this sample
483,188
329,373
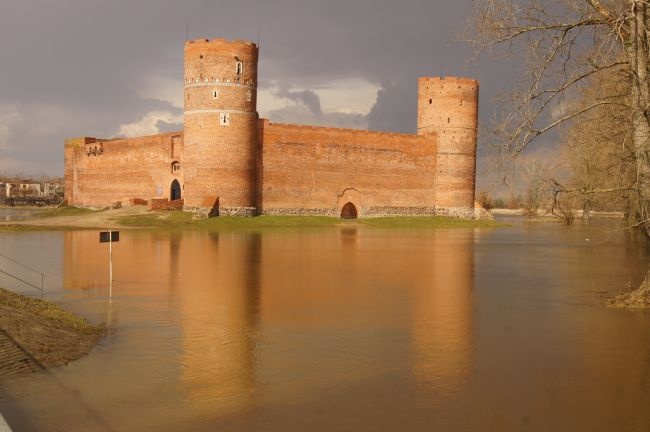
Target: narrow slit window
224,119
215,94
239,69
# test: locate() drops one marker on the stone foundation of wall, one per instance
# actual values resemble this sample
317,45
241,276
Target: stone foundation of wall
482,214
206,212
377,212
301,212
457,212
373,212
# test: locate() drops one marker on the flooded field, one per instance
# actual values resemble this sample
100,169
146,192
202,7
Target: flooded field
343,329
9,214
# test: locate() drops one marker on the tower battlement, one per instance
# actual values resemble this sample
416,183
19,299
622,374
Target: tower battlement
220,41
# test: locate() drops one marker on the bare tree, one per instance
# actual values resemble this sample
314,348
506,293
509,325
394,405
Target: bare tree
598,150
535,176
485,200
568,44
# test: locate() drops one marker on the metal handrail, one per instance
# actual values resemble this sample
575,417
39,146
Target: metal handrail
42,287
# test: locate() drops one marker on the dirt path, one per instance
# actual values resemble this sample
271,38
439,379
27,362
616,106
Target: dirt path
103,219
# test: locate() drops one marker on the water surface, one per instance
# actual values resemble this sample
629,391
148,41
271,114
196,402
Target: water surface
344,329
10,214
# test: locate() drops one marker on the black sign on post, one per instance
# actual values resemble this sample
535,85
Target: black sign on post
109,236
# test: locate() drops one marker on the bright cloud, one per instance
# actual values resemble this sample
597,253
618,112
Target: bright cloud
149,124
354,96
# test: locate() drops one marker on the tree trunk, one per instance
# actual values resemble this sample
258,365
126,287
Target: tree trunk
638,55
586,209
641,101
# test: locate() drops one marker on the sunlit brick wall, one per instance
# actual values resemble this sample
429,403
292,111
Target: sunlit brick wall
449,107
101,172
316,170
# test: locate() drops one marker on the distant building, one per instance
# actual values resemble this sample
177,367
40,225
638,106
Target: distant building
29,188
52,190
5,190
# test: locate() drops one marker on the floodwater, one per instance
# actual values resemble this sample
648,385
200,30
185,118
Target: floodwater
8,214
344,329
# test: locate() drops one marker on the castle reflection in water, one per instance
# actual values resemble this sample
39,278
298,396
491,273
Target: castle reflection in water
274,317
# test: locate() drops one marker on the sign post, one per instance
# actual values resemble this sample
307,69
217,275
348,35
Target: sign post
110,265
109,237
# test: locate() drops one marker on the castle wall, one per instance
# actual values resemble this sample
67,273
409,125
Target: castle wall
101,172
317,170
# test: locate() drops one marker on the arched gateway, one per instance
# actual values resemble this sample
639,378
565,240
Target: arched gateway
175,191
349,211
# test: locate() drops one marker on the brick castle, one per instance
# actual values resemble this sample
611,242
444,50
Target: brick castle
228,161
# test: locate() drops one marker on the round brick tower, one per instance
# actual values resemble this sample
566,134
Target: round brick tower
220,142
448,107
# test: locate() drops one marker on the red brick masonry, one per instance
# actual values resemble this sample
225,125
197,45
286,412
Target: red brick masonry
228,161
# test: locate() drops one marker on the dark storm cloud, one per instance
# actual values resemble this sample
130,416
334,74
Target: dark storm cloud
81,67
396,108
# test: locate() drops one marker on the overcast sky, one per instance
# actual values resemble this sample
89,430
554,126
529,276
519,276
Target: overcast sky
106,68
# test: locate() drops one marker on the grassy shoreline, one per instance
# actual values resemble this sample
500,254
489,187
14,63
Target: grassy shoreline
50,334
72,218
184,220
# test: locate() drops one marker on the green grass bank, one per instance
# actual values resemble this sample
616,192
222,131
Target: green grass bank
184,220
49,333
